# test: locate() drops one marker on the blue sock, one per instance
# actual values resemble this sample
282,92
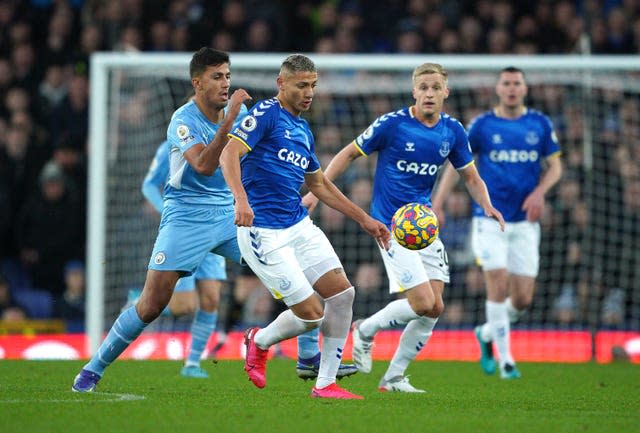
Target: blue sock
126,328
203,325
308,344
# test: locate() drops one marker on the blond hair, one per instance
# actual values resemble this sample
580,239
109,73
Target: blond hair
429,68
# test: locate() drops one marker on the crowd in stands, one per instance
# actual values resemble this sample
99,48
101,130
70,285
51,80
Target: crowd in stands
45,47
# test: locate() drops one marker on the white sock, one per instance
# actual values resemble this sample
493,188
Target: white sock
413,339
329,360
395,314
338,311
485,331
498,319
514,313
286,325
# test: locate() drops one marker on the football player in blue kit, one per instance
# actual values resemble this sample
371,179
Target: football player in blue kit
268,158
511,142
197,216
412,143
207,282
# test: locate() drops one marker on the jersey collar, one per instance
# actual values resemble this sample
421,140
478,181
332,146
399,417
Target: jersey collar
525,110
413,116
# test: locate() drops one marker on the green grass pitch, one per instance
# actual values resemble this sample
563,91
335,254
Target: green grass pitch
150,396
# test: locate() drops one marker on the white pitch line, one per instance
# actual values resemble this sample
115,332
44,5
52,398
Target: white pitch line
113,397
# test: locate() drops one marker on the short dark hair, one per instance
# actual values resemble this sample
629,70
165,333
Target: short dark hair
512,69
298,63
205,57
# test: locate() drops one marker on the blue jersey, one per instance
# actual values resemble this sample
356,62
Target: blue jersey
409,156
156,177
281,151
188,127
509,154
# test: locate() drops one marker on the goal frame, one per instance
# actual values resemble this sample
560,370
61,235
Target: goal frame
103,62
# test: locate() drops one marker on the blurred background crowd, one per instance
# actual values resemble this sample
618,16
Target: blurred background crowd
586,279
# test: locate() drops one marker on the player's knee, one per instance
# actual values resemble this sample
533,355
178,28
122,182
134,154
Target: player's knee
517,306
209,303
151,304
148,311
437,310
208,294
423,309
209,307
423,305
522,302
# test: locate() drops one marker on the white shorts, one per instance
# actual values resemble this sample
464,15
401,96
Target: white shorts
516,249
288,261
408,268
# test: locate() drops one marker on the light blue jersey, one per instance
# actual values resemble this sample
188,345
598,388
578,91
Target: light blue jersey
409,156
509,155
197,217
213,265
281,143
188,127
156,177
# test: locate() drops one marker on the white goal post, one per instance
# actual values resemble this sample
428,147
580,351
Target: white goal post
583,81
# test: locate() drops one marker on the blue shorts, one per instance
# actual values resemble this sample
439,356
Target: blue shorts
213,267
188,233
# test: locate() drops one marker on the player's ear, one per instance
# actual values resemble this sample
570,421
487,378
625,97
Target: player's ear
280,82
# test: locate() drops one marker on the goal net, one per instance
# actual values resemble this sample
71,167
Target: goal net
590,265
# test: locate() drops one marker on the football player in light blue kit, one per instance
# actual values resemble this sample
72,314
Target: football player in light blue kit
197,216
511,142
412,143
278,240
206,281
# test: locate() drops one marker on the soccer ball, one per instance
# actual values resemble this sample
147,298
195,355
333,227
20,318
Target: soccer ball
414,226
